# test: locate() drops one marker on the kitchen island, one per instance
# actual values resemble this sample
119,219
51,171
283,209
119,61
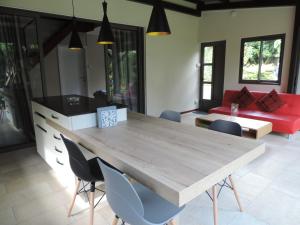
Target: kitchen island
72,112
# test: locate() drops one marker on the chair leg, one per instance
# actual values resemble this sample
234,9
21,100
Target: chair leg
74,197
92,199
215,204
235,193
172,222
116,220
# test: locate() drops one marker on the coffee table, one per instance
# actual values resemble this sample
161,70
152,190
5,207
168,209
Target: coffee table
251,127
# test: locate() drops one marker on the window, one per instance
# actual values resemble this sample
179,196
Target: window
261,59
207,72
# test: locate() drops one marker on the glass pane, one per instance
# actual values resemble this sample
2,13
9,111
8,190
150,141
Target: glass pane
31,56
122,69
270,60
207,91
208,54
251,60
15,68
207,73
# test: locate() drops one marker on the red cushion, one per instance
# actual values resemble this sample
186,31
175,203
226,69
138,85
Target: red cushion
270,102
244,98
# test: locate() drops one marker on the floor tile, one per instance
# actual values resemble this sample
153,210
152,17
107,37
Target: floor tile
2,189
288,182
251,185
276,208
7,217
36,207
32,194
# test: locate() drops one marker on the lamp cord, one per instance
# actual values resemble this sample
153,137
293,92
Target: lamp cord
104,5
73,8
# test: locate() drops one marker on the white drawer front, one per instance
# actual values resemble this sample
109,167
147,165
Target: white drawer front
52,115
37,108
59,119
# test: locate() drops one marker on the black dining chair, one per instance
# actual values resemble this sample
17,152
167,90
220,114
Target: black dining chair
227,127
231,128
171,115
85,171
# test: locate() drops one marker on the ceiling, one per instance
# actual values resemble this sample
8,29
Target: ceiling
195,7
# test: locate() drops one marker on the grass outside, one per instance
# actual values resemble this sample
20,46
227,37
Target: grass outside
268,72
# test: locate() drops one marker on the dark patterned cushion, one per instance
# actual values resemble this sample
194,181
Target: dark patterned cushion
270,102
244,98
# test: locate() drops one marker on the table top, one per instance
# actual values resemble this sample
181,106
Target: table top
244,122
177,161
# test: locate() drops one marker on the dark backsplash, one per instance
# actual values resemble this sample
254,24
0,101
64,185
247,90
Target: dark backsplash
73,105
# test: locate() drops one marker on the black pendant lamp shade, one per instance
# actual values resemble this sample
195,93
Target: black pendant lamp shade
75,42
106,36
158,24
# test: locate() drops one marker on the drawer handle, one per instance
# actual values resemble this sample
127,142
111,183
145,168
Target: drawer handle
58,162
54,117
57,150
41,128
57,138
40,115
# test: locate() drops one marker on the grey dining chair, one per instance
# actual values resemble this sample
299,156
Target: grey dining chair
171,115
231,128
134,203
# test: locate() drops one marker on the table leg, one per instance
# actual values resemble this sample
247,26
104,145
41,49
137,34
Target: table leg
115,221
172,222
235,193
215,204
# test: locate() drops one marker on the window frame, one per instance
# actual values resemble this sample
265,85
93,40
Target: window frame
261,39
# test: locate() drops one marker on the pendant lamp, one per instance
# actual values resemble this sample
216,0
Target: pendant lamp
75,42
158,24
105,35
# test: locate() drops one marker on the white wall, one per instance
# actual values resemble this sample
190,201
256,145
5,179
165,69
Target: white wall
52,73
172,79
171,74
72,70
223,25
95,65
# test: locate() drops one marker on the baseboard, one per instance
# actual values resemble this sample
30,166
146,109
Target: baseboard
189,111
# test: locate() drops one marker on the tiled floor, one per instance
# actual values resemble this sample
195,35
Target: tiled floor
30,193
10,135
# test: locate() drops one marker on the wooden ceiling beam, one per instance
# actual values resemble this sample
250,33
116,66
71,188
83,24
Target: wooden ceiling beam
248,4
173,7
225,4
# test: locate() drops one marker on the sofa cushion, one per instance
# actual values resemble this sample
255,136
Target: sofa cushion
270,102
244,98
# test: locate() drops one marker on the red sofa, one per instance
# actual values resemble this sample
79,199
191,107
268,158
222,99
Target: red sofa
285,120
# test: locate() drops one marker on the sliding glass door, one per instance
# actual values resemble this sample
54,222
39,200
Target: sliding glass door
20,79
124,69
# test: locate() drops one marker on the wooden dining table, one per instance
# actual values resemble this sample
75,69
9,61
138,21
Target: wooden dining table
177,161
